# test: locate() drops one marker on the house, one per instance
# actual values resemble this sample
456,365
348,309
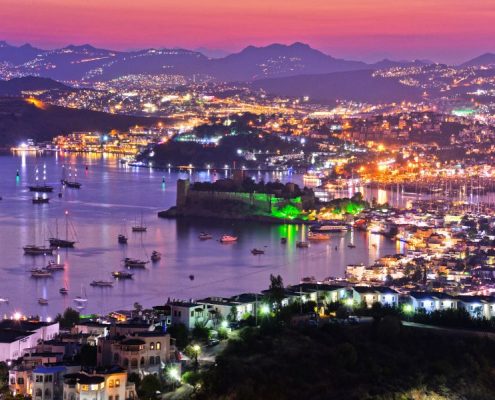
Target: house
16,336
107,384
47,382
432,301
478,306
370,295
188,313
142,353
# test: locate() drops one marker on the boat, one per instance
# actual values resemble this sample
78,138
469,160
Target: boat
64,243
141,227
191,277
134,263
41,200
54,266
41,188
351,245
302,245
256,252
82,299
33,250
41,273
122,239
4,299
44,188
329,227
101,284
318,236
72,184
228,239
122,275
63,291
283,240
156,256
42,301
205,236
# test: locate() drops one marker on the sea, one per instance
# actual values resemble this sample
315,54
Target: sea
112,199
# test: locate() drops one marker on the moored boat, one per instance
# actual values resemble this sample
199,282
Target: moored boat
42,301
256,252
63,291
41,188
122,239
134,263
318,236
33,250
228,239
101,283
122,275
156,256
54,266
302,245
205,236
329,227
40,273
40,200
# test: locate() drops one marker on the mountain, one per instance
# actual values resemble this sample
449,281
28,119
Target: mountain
348,85
386,63
17,55
85,62
21,119
484,59
15,86
277,60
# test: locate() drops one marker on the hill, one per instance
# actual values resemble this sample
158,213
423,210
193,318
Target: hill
349,85
21,119
15,86
88,63
484,59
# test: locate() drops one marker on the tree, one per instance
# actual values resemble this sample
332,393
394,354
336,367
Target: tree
68,319
149,387
88,355
276,291
232,317
200,332
180,334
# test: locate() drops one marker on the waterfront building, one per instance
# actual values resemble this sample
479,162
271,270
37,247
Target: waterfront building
478,306
188,313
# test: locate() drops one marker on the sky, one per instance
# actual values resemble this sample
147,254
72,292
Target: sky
440,30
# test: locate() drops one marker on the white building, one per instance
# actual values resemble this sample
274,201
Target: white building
432,301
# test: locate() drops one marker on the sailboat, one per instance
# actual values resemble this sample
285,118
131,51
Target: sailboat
82,299
44,188
65,243
71,183
122,238
141,227
64,291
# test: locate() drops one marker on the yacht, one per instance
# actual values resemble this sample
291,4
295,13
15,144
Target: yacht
42,301
134,263
228,239
63,291
40,273
64,243
41,200
122,275
205,236
329,227
41,188
101,283
257,252
34,250
139,227
54,266
318,236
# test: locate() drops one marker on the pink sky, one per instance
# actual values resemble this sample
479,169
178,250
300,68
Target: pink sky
446,30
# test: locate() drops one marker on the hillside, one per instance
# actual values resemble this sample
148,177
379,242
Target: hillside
349,85
484,59
20,120
15,86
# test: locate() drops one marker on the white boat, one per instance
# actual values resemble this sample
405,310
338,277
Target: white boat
4,299
54,266
40,273
82,299
329,227
318,236
228,239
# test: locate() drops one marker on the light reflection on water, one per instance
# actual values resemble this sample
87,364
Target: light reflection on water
114,196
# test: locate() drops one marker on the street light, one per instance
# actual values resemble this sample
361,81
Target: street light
224,324
265,309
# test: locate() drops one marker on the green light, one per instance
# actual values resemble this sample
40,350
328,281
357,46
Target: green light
349,302
224,324
173,373
408,308
264,309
